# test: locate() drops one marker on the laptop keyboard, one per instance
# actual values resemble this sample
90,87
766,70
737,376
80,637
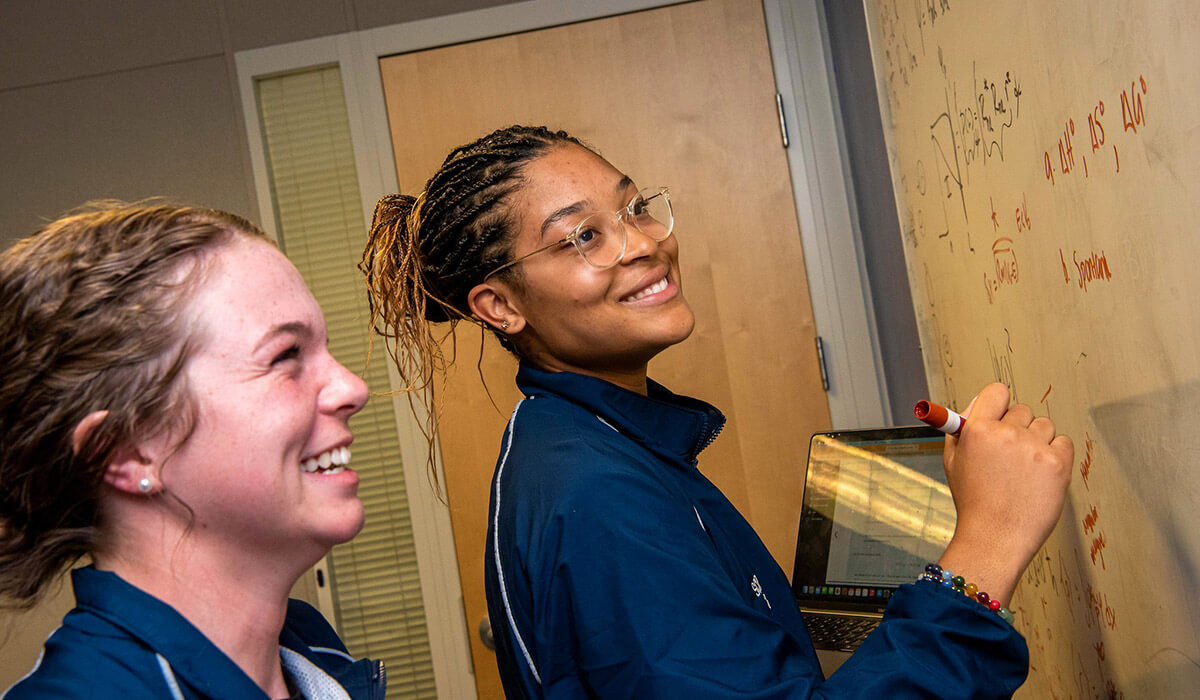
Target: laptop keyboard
838,632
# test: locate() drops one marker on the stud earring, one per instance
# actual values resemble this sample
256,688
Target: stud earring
504,325
144,485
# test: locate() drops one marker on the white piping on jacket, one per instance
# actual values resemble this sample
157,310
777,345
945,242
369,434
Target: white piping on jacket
512,623
169,677
335,652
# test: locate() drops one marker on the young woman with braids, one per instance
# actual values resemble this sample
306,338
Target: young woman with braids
169,410
613,567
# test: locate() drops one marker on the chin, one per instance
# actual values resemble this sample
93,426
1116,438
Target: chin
347,527
684,326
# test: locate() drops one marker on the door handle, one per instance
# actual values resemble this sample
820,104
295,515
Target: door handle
485,633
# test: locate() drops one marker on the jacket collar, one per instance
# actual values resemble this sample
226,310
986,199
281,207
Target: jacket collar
672,426
192,657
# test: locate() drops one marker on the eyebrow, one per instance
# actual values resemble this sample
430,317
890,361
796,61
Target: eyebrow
290,328
576,207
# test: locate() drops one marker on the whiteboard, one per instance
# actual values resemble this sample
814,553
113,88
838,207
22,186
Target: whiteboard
1046,164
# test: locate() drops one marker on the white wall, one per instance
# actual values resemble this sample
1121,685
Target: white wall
138,98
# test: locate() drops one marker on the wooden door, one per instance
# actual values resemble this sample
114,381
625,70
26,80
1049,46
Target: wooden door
680,96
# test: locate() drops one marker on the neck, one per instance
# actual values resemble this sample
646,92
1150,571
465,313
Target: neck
237,600
626,372
632,379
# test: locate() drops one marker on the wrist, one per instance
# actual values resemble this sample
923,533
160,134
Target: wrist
938,575
988,566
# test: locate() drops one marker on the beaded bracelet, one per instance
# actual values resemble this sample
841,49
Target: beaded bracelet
945,577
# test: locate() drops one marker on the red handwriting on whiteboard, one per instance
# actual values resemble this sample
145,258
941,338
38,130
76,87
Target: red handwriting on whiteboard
1085,466
1022,213
1133,112
1094,267
1106,615
1091,268
1133,118
1096,127
1098,541
1046,396
1098,545
1004,259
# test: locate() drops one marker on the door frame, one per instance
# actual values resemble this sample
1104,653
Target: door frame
822,191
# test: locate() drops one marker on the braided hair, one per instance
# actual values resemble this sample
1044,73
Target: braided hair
424,254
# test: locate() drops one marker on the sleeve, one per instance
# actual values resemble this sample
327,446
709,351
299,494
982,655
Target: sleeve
71,668
639,606
934,643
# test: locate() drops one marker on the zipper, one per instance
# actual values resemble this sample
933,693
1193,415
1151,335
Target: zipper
701,447
381,678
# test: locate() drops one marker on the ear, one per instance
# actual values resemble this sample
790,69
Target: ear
84,429
493,304
126,467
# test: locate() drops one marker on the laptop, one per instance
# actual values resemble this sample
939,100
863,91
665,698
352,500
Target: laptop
876,510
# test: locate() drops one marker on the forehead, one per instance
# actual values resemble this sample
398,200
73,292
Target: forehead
567,174
246,288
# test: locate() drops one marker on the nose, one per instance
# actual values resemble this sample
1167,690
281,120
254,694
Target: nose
637,244
345,392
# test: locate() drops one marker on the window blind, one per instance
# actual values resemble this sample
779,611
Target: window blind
376,587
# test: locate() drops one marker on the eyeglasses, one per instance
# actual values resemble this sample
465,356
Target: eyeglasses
601,237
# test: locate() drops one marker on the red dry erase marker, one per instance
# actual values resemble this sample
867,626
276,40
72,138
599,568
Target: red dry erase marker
939,417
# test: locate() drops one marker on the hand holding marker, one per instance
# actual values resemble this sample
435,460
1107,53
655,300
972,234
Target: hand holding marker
939,417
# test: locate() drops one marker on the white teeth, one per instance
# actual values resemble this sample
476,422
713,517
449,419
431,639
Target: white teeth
652,289
331,462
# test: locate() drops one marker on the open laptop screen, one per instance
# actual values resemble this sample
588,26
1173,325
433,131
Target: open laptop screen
876,509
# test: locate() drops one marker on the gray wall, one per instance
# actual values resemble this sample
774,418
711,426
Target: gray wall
131,99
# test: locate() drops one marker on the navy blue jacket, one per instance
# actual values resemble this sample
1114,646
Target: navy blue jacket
615,569
120,642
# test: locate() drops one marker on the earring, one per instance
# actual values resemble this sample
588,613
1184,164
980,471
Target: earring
504,325
144,485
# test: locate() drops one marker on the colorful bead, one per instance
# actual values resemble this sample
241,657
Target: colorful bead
935,573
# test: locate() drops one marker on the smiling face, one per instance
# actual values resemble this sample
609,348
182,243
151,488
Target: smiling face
261,470
567,315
